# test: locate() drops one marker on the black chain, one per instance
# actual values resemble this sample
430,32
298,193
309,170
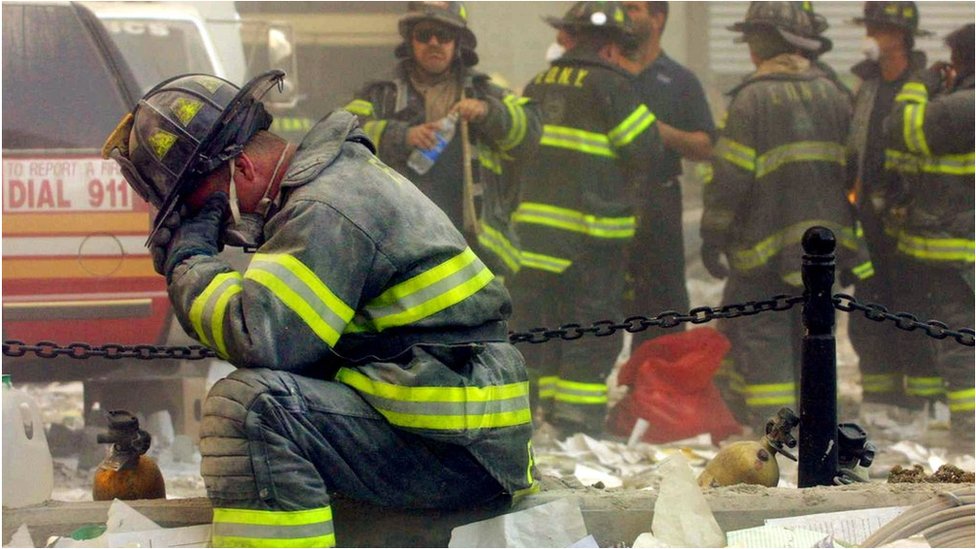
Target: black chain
567,332
667,319
905,321
111,351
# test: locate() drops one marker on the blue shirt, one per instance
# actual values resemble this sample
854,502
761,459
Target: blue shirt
675,96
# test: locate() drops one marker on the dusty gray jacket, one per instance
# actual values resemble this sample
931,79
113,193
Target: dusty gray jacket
363,280
779,169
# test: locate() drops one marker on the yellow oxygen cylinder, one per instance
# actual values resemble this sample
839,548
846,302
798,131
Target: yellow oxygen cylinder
127,473
753,462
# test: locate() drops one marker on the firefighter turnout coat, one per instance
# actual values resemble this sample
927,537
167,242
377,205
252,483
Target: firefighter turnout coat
779,169
598,142
930,137
358,270
509,132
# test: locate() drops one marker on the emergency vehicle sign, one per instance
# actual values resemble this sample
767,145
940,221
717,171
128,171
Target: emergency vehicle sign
66,185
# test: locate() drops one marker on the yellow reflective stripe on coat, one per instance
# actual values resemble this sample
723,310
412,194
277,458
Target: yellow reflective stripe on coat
490,160
962,401
576,392
209,308
425,294
937,249
495,241
864,270
631,127
760,253
914,130
254,528
924,386
516,133
880,383
913,92
575,221
574,139
374,131
772,394
443,408
948,164
298,287
360,107
801,151
547,386
736,153
544,262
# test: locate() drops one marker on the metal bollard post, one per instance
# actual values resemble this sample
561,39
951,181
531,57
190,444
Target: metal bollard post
818,371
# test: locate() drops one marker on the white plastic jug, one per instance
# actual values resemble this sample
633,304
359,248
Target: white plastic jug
28,470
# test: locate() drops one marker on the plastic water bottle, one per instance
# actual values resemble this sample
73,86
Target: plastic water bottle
28,470
421,160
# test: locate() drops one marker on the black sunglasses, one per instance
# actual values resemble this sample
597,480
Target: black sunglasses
443,35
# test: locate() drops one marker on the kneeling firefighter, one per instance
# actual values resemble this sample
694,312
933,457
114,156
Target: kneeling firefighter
371,342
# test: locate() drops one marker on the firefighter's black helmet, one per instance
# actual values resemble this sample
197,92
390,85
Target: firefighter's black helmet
183,129
452,14
608,16
788,19
902,15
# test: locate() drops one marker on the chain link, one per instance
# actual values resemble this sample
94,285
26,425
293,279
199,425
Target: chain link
666,319
567,332
905,321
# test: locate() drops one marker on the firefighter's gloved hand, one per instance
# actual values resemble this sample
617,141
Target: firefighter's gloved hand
712,258
198,235
159,245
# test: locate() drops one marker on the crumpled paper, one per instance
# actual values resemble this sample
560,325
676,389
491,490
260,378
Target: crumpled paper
682,517
555,524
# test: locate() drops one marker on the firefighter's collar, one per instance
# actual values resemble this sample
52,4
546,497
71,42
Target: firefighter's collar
322,146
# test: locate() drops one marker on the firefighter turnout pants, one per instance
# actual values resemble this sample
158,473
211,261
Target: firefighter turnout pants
894,370
945,294
765,353
275,445
657,256
568,379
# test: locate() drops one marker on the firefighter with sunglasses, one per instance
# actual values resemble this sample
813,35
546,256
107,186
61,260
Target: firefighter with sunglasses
471,179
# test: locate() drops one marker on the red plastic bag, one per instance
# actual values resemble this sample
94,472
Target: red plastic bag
670,380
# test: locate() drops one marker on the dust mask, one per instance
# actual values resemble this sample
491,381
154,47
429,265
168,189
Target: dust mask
870,49
246,230
554,52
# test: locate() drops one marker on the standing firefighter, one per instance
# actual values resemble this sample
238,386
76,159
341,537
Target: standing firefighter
891,28
930,139
779,169
370,341
403,113
576,215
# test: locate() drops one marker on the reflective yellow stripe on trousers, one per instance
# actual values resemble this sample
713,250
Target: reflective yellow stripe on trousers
426,294
547,386
208,310
962,401
297,286
253,528
443,408
880,383
924,386
773,394
575,392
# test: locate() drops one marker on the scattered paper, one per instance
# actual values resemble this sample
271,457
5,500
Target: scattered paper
187,536
555,524
647,539
590,476
682,517
847,527
589,542
21,538
777,536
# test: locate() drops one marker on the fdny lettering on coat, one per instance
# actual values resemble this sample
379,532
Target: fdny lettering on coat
563,76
